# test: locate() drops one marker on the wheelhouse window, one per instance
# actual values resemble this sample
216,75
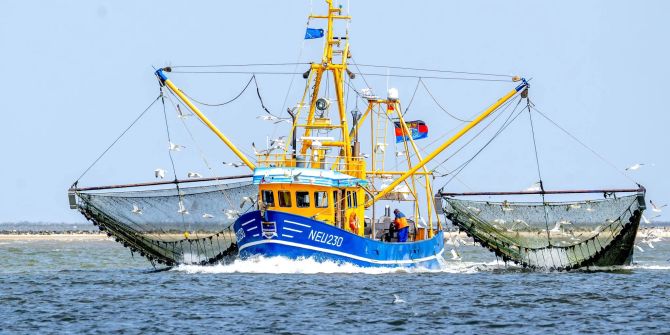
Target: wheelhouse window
354,199
268,198
321,199
284,198
302,199
348,199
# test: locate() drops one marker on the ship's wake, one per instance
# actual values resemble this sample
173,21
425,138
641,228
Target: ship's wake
283,265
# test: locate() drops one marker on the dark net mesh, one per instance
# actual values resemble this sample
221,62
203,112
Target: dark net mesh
553,235
191,225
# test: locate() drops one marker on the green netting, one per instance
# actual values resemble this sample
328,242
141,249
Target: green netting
552,235
191,225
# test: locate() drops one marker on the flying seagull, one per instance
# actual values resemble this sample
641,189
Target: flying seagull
655,208
159,173
182,210
136,210
454,255
380,147
635,167
181,114
194,175
231,214
247,199
397,300
267,117
234,164
400,153
559,225
535,187
175,147
207,216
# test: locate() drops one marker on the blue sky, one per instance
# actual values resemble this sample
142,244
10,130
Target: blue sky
76,73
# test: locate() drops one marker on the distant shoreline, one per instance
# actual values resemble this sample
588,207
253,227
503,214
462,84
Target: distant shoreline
86,235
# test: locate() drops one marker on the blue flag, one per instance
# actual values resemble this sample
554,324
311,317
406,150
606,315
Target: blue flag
312,33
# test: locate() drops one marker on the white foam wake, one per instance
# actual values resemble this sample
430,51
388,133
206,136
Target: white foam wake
283,265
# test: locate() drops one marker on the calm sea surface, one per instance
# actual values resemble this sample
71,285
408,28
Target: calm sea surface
94,286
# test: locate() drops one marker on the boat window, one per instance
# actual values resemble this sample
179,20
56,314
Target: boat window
321,199
348,199
268,198
354,199
284,198
302,199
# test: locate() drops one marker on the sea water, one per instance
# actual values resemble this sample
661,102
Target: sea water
94,286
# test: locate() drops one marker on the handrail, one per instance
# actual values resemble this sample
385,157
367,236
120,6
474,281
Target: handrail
612,190
194,180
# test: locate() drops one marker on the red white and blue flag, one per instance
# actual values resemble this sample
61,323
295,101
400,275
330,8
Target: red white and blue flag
418,130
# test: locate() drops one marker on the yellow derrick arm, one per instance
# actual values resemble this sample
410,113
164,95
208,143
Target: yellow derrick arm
429,189
167,82
449,142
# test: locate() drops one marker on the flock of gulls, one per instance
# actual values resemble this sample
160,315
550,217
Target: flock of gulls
514,225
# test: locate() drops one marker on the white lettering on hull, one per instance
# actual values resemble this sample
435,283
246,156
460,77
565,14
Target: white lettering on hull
329,239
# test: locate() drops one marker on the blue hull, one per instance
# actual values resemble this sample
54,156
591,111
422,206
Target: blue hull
294,236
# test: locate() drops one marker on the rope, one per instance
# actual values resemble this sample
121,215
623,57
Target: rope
223,103
438,104
117,139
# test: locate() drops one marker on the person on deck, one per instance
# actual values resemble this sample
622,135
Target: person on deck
401,225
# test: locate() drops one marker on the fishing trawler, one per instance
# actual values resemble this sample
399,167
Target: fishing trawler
313,193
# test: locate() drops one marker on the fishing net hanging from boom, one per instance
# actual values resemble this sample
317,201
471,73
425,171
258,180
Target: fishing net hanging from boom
185,225
551,235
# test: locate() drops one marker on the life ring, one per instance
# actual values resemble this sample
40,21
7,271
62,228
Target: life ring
353,222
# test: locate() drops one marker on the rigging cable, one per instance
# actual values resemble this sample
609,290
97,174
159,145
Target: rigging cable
539,174
532,105
223,103
117,139
436,70
507,122
438,104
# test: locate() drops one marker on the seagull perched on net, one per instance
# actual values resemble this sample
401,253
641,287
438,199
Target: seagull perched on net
234,164
175,147
159,173
136,210
207,216
655,208
194,175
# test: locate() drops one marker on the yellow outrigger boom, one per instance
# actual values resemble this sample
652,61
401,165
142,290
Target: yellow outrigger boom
167,82
523,86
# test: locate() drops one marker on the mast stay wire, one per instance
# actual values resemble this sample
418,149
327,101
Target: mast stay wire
117,139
